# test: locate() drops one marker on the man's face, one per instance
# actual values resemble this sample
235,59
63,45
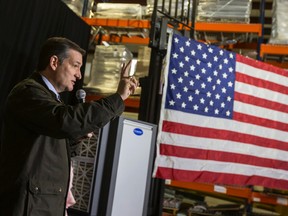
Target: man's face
68,72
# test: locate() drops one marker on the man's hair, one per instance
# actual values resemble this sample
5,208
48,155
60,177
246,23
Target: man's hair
58,46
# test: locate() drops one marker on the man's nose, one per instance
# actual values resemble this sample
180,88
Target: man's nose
79,75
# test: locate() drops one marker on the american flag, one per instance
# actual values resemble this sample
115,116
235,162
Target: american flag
223,118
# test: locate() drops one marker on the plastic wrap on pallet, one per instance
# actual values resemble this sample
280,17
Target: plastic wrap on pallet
279,30
174,8
77,6
237,11
117,10
106,66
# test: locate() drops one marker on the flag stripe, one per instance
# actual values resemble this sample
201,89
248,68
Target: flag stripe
219,178
260,112
261,93
221,167
261,69
249,133
189,141
260,121
208,154
261,102
250,80
212,133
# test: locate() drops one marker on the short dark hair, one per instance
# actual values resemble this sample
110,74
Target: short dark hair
58,46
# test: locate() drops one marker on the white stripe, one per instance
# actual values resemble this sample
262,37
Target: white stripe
218,145
164,76
261,74
261,93
219,167
224,124
260,112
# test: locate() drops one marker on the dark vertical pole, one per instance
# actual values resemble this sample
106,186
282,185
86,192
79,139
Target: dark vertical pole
163,5
262,21
85,7
149,111
153,30
150,100
193,18
188,12
170,7
182,11
176,8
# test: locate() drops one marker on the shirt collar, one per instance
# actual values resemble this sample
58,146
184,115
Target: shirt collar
50,86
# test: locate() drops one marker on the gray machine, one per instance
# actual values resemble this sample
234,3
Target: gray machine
120,181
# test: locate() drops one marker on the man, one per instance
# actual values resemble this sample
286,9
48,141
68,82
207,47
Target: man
35,154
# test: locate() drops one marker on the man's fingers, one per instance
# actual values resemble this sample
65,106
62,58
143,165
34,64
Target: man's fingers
133,84
125,69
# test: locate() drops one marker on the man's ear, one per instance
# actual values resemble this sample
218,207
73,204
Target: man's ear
54,61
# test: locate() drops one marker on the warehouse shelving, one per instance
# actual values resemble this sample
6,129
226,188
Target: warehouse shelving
239,192
199,26
119,23
275,49
229,27
131,24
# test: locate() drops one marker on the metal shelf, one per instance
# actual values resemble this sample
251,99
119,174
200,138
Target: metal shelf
229,27
199,26
273,49
145,24
239,192
120,23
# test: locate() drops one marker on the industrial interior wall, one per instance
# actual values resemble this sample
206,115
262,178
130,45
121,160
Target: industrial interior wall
25,25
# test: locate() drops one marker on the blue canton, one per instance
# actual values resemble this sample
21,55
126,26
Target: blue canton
201,78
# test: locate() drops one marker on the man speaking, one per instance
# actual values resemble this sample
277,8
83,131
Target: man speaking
35,152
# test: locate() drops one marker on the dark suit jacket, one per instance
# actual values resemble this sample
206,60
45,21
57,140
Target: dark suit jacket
34,156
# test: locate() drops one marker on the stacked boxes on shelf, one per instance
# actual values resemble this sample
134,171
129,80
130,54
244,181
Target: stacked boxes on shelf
106,67
236,11
279,31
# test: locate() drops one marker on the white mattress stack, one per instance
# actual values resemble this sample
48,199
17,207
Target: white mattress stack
77,6
119,10
106,67
177,6
237,11
279,30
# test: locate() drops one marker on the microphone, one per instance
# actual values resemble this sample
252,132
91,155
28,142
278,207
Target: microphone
80,95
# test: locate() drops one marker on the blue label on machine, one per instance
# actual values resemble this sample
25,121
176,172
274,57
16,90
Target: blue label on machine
138,131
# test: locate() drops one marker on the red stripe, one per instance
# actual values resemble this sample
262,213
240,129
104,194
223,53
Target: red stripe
261,65
206,154
260,121
244,78
220,178
249,99
244,98
191,130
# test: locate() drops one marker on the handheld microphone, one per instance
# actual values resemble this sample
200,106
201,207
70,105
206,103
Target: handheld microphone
80,95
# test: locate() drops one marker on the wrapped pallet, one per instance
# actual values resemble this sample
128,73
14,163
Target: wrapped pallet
118,11
174,8
236,11
106,67
77,7
279,30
